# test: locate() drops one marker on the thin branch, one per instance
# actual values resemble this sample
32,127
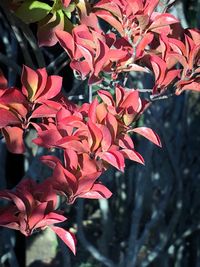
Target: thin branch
54,64
90,93
132,251
86,244
165,237
32,41
161,97
10,63
18,35
144,90
155,217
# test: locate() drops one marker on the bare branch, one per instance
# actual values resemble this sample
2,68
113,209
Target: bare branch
86,244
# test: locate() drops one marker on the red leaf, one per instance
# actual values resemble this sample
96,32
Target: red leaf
106,138
50,160
47,138
8,219
188,85
149,134
12,96
3,80
119,92
159,68
52,88
66,3
106,97
71,159
37,215
85,184
111,6
73,144
49,108
125,141
7,118
101,56
66,41
42,80
101,112
88,55
16,200
150,6
98,191
50,219
66,237
81,68
162,20
88,166
131,102
47,28
114,158
92,110
14,139
95,136
29,81
132,155
63,180
112,124
108,17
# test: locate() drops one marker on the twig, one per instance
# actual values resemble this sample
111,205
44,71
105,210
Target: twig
32,41
177,208
106,224
132,251
161,97
53,65
18,35
86,244
90,93
144,90
155,217
8,62
178,11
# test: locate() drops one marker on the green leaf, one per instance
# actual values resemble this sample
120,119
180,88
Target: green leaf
68,11
32,11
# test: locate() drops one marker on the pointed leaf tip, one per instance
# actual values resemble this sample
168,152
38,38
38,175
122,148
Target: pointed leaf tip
67,237
149,134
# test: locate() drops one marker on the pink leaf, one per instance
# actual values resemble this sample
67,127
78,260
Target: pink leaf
106,97
106,138
66,3
98,191
66,41
92,110
149,134
14,139
29,81
66,237
7,118
47,138
50,219
72,144
3,80
95,136
52,89
114,158
162,20
47,28
133,155
50,160
108,17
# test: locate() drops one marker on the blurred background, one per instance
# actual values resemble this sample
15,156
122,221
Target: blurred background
153,217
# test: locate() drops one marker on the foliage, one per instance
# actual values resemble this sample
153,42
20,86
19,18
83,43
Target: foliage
92,136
